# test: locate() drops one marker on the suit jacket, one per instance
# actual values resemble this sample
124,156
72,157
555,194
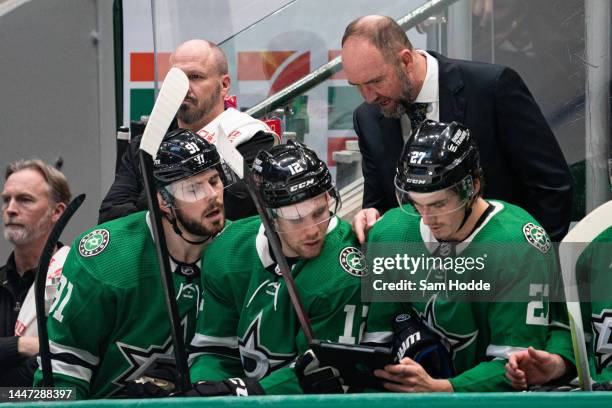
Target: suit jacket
520,157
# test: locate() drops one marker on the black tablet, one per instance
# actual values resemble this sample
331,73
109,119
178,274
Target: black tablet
356,363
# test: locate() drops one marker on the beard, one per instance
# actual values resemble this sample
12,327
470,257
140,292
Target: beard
25,234
201,228
193,113
400,105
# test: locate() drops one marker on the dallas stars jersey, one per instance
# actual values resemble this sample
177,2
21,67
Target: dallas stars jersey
249,327
109,322
479,335
595,267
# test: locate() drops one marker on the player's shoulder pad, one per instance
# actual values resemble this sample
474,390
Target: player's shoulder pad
537,237
394,226
242,228
343,243
520,226
232,244
96,240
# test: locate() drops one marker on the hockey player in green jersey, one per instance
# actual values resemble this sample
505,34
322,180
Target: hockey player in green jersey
439,185
593,271
249,328
109,322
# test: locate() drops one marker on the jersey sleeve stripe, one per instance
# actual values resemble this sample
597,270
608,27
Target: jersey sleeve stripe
76,371
502,352
202,340
377,337
85,357
221,351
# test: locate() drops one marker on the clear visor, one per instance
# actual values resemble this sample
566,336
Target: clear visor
436,203
306,214
205,186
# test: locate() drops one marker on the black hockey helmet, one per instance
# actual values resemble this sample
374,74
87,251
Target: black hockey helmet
290,173
181,155
288,176
437,156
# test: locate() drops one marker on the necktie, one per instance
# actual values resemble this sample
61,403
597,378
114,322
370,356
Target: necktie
417,112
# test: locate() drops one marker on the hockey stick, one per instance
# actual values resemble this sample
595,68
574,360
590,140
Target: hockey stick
40,284
585,231
235,160
169,100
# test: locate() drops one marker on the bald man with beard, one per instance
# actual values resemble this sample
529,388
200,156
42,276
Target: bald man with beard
206,67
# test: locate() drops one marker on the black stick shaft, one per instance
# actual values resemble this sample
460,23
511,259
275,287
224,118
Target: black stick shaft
40,285
180,355
276,247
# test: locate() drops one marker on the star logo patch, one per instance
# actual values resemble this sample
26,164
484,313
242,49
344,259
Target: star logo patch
94,242
352,261
537,237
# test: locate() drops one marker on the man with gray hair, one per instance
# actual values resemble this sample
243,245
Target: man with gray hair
34,196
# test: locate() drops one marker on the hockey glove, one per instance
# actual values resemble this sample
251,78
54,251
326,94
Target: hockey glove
603,386
315,379
415,340
239,387
158,381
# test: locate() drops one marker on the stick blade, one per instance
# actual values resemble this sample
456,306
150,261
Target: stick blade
230,154
171,95
585,231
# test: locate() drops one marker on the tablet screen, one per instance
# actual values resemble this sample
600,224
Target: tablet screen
356,363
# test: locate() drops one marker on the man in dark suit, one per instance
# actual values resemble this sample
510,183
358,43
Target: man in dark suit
521,159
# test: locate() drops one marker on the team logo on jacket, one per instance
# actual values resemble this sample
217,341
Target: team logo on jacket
94,242
537,237
352,261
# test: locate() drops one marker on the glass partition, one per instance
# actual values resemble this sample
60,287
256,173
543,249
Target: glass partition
272,44
544,41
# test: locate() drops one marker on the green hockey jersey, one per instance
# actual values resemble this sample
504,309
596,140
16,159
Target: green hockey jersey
479,335
594,267
109,322
249,327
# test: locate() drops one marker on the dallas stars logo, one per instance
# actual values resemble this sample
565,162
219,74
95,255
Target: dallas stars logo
602,326
352,261
537,237
94,242
257,360
453,342
140,359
